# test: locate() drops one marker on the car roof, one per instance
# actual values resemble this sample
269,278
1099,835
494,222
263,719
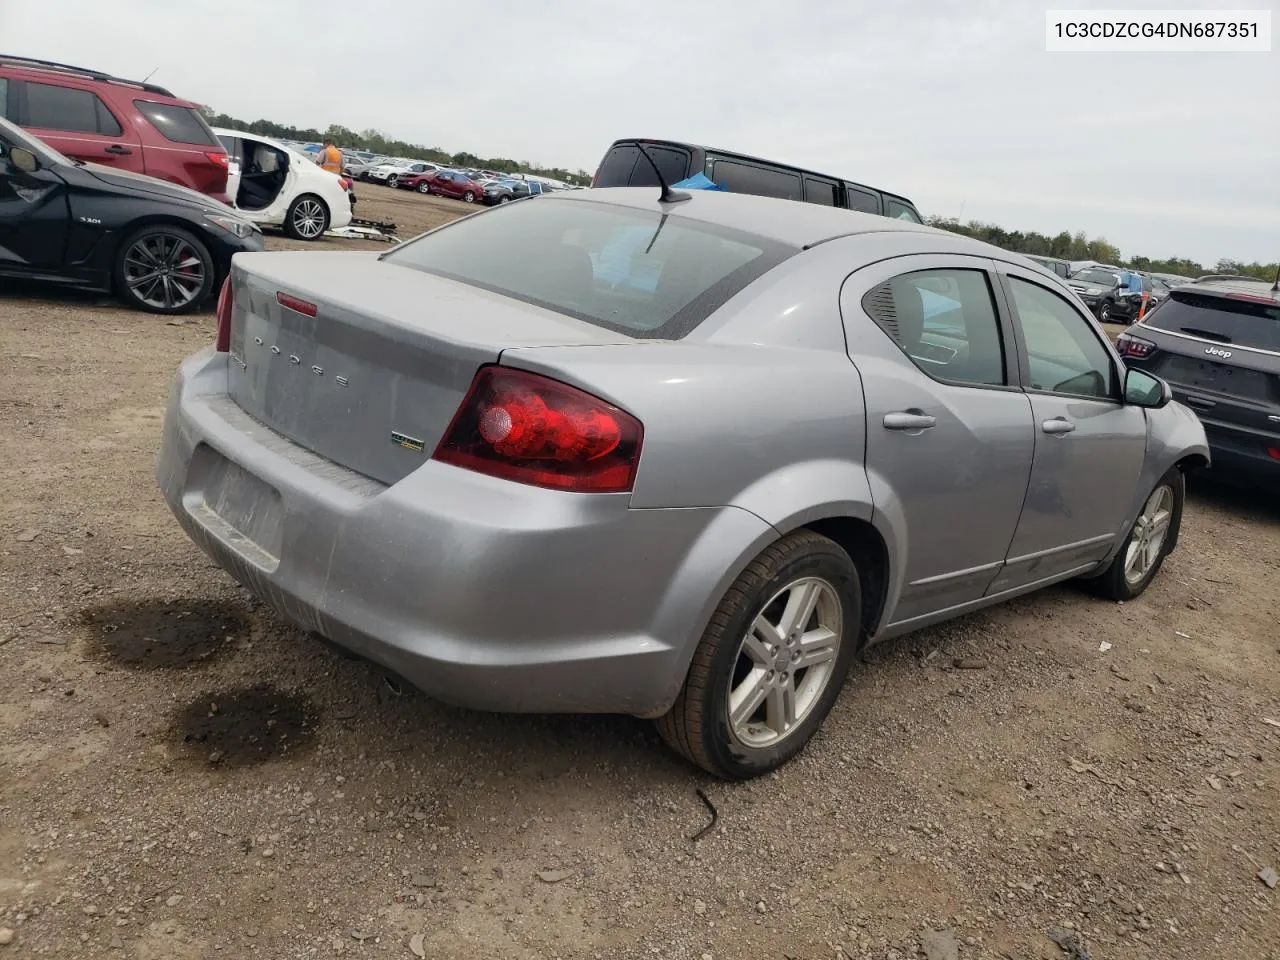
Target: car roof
1257,289
787,221
29,64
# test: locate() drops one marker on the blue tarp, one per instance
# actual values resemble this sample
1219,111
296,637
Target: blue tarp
699,181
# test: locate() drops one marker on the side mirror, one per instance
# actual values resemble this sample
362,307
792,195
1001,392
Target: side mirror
24,160
1141,389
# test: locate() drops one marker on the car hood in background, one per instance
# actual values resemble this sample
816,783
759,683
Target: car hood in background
161,189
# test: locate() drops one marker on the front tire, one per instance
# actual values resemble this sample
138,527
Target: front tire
772,660
1104,312
307,219
1150,539
393,180
163,269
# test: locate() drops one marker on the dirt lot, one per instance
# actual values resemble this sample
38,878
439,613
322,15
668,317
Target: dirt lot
184,776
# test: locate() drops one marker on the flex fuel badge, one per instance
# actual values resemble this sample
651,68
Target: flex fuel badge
408,442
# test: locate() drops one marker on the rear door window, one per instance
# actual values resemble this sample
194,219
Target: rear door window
1243,323
674,165
51,107
178,124
740,177
862,200
825,192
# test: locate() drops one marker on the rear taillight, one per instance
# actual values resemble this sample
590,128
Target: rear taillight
344,183
528,428
1135,347
223,343
219,158
296,304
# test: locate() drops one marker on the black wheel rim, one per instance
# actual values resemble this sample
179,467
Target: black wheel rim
164,271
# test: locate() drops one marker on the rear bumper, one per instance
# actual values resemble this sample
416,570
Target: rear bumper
481,592
1239,455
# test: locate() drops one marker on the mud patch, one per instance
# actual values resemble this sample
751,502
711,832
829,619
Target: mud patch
236,728
156,635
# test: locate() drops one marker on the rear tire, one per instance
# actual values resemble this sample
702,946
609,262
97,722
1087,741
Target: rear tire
307,219
731,718
1149,541
142,259
424,187
469,197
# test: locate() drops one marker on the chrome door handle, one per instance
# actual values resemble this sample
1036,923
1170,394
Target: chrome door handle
908,420
1058,426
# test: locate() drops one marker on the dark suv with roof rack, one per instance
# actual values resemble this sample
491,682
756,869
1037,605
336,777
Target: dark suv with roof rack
1217,343
623,166
129,125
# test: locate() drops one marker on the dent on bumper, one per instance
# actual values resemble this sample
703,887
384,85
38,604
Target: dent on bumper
482,592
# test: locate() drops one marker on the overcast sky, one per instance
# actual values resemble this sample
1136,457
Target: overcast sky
954,103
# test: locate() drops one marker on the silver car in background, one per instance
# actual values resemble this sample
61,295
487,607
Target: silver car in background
682,460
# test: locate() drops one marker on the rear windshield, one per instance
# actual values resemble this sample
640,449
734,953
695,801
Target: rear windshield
178,124
632,271
1245,323
624,167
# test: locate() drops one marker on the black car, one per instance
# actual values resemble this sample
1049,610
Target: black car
160,247
1217,343
504,191
1054,265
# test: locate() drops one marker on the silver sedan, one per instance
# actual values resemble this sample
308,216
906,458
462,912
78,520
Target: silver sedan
680,459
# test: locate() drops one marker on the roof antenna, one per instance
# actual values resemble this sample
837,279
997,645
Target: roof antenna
1276,285
668,195
149,76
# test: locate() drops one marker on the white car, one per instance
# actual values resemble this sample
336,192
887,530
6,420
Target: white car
388,173
276,186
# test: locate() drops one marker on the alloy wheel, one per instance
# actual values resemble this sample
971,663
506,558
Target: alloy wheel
308,219
785,662
1149,534
164,271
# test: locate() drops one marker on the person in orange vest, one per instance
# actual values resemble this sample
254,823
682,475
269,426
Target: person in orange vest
330,157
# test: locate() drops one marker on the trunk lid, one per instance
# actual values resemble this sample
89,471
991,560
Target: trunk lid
371,381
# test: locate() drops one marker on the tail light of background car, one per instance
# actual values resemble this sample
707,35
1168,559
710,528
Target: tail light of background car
531,429
223,343
1135,347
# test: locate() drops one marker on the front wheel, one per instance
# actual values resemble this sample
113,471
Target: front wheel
772,660
504,199
163,269
1150,539
424,187
1104,312
307,219
393,180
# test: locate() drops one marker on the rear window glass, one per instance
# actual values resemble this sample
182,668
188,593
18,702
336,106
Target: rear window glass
178,124
1244,323
627,270
624,167
900,211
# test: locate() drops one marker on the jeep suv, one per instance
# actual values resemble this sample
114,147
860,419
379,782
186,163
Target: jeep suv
131,126
1217,343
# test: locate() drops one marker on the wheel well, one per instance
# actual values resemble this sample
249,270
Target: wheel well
1193,461
866,548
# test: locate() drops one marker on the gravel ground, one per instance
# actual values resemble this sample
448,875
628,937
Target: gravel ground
182,775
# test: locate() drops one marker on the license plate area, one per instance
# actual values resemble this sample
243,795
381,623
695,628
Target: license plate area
242,511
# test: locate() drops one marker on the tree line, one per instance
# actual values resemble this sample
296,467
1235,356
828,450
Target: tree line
385,145
1077,246
1067,246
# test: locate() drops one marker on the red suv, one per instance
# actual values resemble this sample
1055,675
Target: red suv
125,124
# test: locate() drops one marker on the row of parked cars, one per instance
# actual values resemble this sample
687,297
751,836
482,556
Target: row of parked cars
469,185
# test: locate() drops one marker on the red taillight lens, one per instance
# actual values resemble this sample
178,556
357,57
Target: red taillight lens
528,428
304,307
219,158
225,301
1136,347
344,183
